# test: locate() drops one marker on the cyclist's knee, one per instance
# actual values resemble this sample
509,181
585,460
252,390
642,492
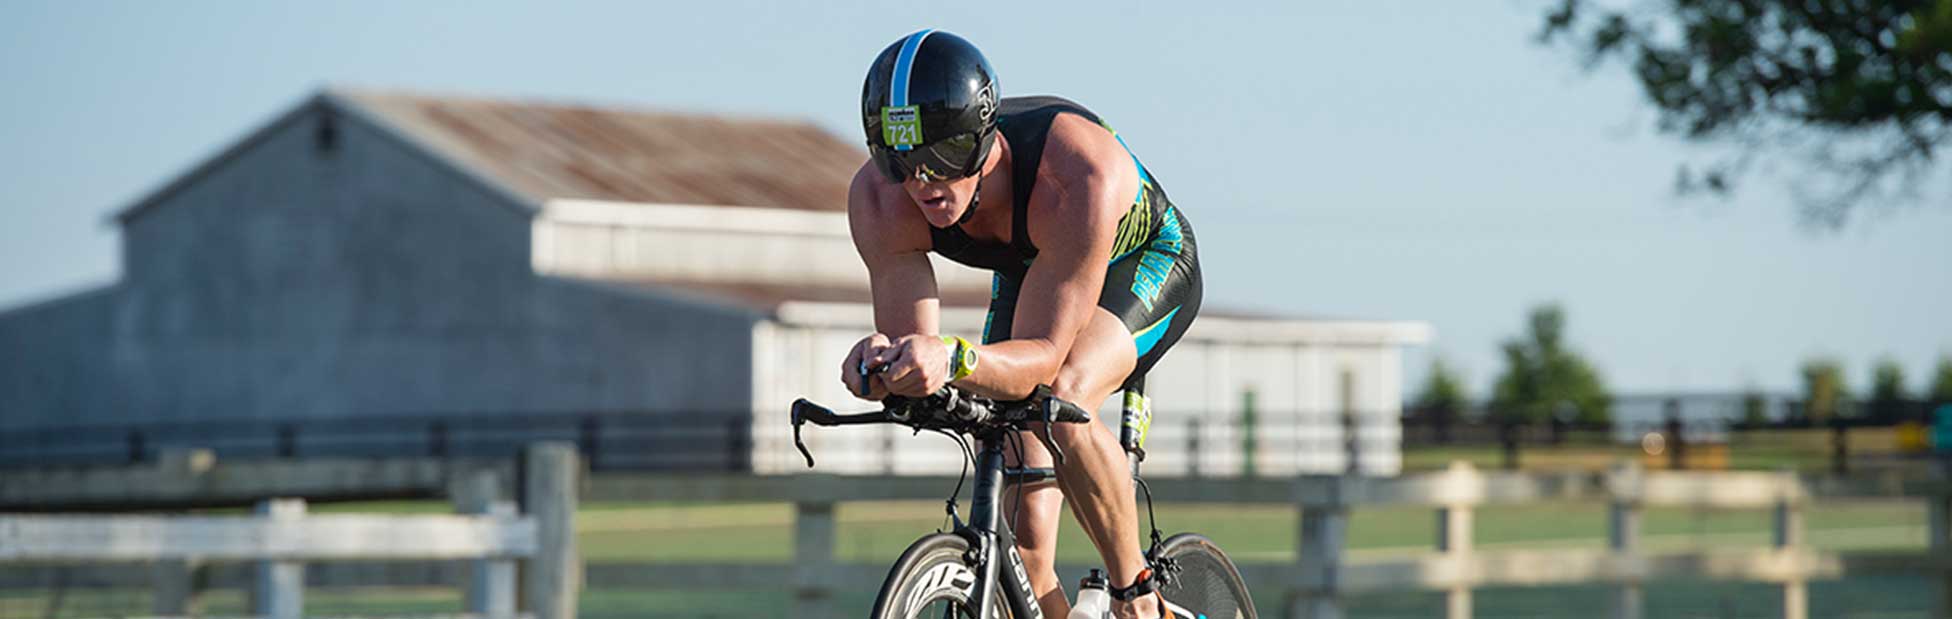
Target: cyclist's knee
1072,436
1075,383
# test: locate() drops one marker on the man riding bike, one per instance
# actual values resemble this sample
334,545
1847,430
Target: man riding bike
1095,278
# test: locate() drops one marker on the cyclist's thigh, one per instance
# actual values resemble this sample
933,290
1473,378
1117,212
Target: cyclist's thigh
1098,362
1155,292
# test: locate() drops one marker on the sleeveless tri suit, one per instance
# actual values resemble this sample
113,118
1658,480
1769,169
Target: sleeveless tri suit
1153,280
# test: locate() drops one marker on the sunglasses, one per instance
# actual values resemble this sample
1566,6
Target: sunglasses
946,159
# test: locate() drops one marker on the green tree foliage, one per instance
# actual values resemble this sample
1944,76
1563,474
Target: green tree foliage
1441,391
1542,374
1824,392
1887,390
1942,380
1859,89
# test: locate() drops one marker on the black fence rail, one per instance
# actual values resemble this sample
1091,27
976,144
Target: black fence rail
723,440
715,441
1887,430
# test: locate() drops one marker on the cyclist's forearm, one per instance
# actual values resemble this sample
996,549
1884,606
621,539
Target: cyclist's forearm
1011,369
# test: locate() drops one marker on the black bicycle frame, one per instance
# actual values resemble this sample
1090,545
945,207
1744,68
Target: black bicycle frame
987,532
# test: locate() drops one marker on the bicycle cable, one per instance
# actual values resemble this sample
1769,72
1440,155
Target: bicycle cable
1016,506
954,520
1152,519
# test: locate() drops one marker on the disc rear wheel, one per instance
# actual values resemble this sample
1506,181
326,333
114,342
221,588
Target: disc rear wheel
1206,584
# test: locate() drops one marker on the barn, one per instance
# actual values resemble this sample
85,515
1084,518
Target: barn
384,272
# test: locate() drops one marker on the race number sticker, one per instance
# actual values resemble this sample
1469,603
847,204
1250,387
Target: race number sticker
901,126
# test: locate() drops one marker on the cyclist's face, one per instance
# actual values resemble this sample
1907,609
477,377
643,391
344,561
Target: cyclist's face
942,202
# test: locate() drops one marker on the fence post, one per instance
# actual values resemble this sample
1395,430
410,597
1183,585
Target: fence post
1454,540
491,582
549,493
1789,540
813,559
1351,442
1623,534
1674,431
175,588
280,590
1939,527
1839,446
1193,452
1324,530
1508,440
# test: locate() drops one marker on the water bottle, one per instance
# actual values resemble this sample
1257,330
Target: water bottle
1093,601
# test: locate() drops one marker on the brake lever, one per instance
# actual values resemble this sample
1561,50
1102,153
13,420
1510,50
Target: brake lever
797,422
1050,419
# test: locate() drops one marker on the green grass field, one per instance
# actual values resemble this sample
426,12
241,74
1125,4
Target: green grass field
875,532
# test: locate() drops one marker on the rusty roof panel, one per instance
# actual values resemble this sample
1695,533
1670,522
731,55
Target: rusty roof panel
552,150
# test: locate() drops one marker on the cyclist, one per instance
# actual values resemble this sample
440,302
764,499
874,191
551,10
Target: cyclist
1096,276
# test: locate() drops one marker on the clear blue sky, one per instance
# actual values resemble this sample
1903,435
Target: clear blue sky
1358,159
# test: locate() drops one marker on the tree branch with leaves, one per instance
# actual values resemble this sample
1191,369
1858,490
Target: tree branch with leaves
1859,90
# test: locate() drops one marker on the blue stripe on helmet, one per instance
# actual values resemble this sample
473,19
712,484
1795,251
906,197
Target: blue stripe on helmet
904,64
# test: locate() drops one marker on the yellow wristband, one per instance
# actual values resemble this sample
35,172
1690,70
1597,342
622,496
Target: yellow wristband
962,357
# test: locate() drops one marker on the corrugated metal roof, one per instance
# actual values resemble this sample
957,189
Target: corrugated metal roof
553,150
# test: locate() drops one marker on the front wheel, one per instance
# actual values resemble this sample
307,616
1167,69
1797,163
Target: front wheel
1206,584
931,581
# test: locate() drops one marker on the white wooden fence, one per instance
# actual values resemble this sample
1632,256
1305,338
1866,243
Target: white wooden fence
281,537
540,543
1315,583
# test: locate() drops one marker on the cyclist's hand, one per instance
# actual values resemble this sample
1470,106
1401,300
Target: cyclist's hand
918,365
863,356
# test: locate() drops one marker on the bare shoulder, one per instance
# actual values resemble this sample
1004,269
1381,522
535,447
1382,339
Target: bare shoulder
1085,179
1079,147
882,219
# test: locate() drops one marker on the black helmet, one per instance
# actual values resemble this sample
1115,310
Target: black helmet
929,107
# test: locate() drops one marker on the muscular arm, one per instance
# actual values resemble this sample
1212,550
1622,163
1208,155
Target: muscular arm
1086,182
893,241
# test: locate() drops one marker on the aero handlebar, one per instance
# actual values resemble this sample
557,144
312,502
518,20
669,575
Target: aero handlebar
950,409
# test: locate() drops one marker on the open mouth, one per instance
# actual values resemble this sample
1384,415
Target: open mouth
936,203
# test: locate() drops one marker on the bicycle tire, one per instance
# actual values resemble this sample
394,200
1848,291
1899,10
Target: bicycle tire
931,577
1207,582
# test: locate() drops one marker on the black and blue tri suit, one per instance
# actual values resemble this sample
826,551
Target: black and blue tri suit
1153,281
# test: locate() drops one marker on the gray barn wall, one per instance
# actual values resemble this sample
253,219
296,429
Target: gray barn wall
54,360
372,280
